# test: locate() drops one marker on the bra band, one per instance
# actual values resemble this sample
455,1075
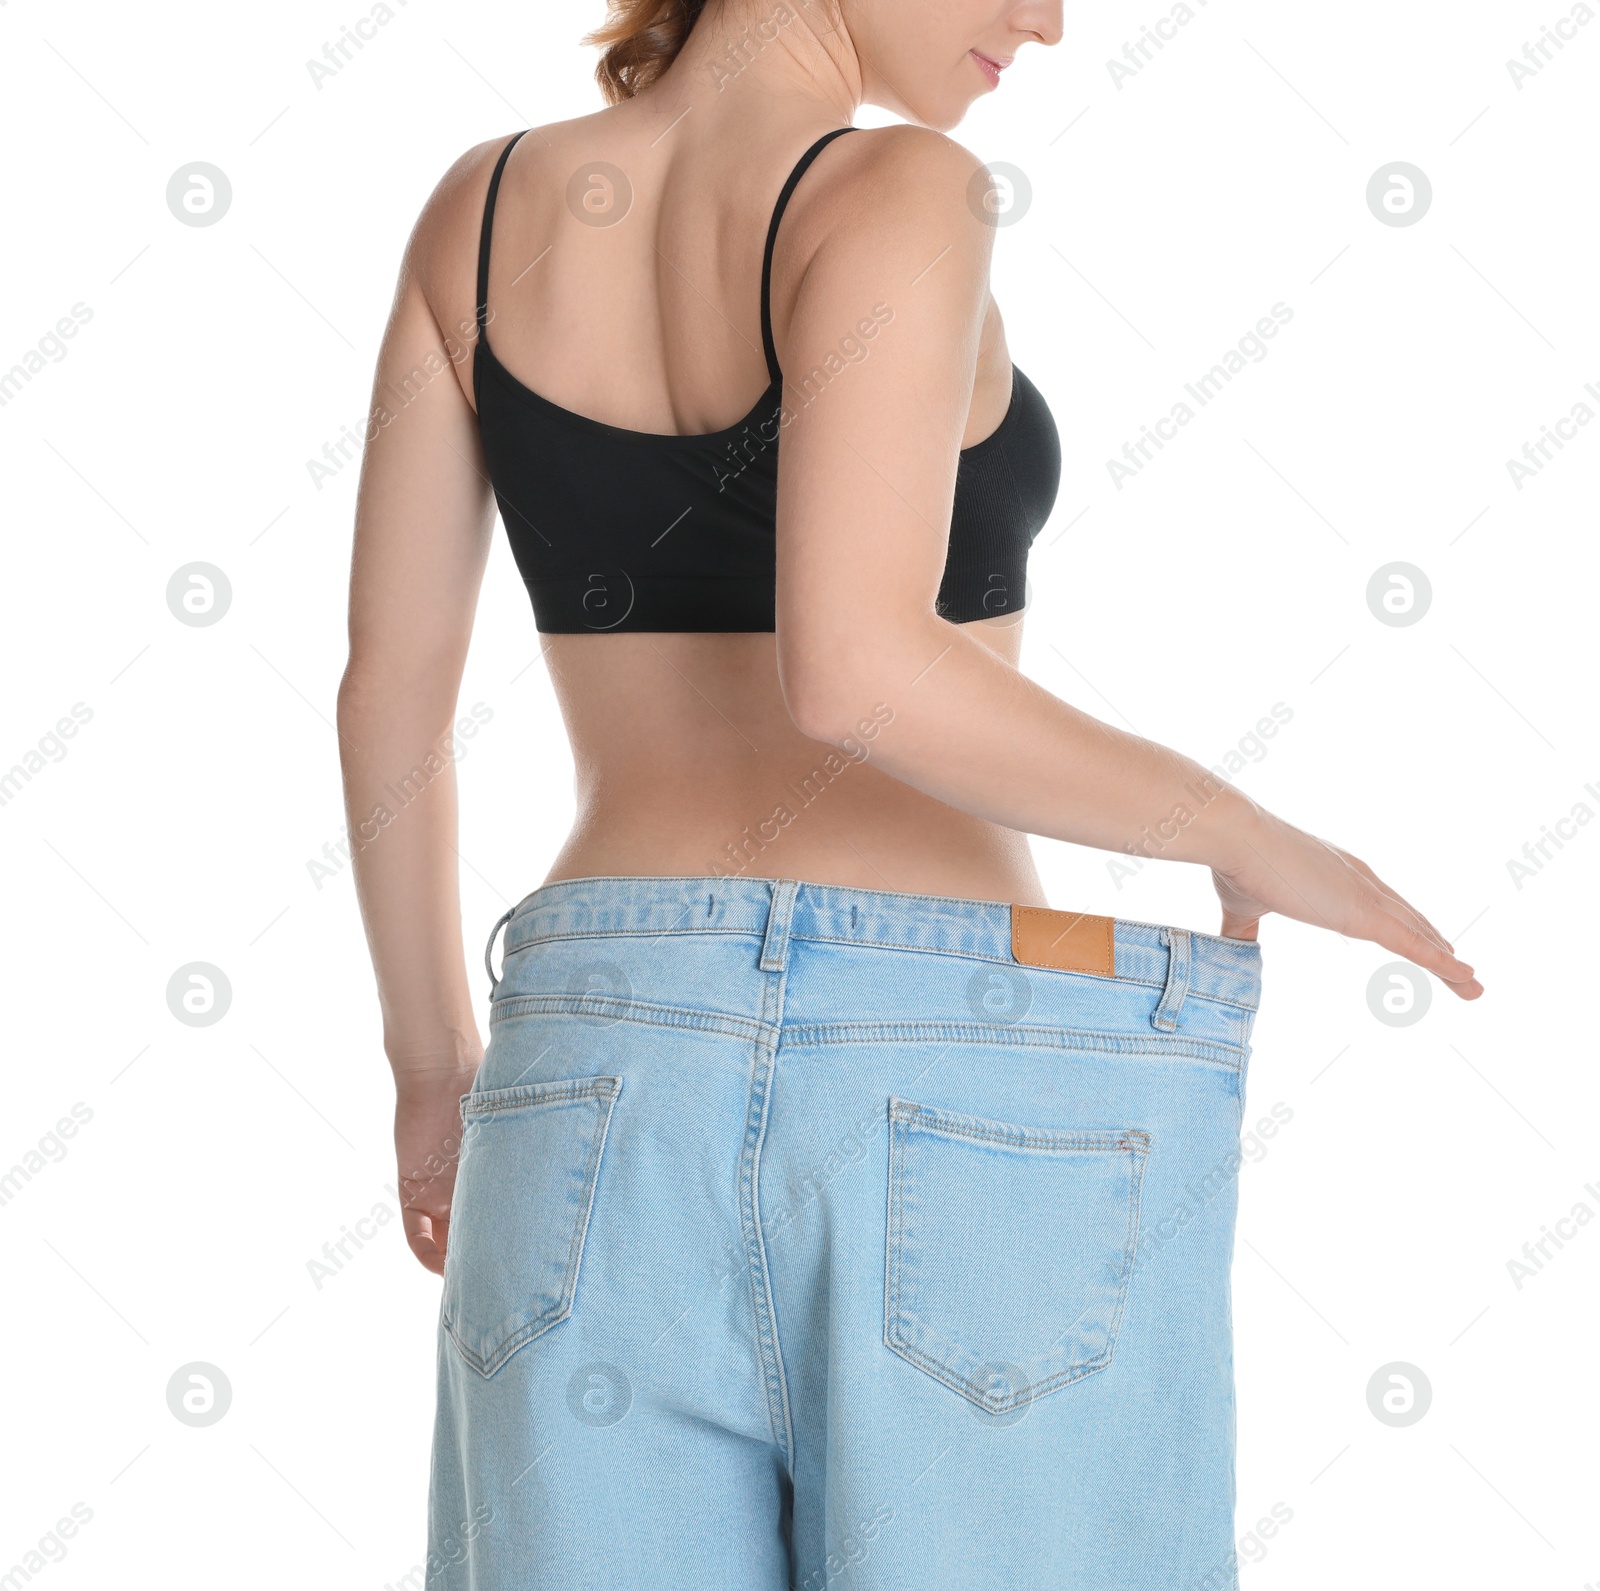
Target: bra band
588,506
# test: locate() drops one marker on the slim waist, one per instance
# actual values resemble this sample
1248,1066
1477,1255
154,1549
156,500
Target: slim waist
1216,968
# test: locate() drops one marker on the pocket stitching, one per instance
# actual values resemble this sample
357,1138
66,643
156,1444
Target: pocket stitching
604,1090
539,1094
903,1113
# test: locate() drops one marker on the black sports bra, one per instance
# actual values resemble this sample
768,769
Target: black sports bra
615,529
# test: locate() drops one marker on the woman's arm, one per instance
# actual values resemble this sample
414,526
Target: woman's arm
424,517
866,479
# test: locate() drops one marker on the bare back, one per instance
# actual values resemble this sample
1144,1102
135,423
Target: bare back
624,286
879,735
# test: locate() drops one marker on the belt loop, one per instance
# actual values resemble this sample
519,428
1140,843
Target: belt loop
488,951
1166,1013
775,946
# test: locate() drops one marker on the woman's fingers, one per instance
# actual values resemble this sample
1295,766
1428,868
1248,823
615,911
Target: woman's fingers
1395,933
426,1235
1379,916
1309,879
1397,907
1397,900
1240,925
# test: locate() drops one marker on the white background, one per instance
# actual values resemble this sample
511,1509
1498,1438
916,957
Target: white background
1167,216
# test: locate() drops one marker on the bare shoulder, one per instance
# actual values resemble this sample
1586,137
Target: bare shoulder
892,203
442,253
908,179
897,217
446,230
456,204
918,152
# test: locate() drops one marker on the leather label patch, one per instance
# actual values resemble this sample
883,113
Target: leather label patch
1067,941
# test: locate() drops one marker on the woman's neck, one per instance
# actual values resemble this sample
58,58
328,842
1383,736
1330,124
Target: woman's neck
781,57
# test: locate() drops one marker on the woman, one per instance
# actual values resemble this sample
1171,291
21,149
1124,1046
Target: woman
797,1233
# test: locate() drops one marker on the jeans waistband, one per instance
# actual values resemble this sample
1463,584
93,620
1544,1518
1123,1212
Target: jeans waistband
779,910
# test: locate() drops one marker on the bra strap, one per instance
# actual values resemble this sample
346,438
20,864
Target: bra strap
772,238
488,230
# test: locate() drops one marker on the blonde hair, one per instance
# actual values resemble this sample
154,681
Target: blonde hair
641,39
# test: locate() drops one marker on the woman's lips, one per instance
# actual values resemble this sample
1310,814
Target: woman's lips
990,67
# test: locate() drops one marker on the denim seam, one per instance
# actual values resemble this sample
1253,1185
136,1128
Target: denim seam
528,902
1135,1209
1241,1084
899,1128
698,931
562,1308
1011,961
756,1253
754,932
1215,1052
775,988
1030,1394
891,1281
632,1011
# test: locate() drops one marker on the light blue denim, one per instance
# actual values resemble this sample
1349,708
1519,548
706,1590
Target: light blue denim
805,1239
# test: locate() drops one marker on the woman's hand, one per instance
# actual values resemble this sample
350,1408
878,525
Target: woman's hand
427,1141
1275,867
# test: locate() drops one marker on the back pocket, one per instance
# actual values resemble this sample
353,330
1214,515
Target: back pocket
530,1158
1009,1250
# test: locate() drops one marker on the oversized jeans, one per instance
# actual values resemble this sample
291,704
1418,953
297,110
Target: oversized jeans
822,1239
